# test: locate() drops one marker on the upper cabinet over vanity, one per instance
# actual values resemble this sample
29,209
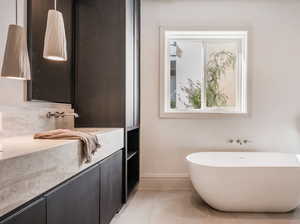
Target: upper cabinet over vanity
101,74
107,63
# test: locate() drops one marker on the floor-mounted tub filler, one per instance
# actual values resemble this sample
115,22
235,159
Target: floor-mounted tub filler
247,181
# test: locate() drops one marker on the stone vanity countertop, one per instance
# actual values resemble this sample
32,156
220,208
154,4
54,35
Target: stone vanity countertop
30,167
23,145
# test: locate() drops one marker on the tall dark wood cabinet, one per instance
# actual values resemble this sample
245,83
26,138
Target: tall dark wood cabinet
107,82
35,213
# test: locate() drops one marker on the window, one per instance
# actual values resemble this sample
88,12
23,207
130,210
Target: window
203,72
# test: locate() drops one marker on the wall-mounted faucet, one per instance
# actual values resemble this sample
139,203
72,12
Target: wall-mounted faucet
239,141
61,114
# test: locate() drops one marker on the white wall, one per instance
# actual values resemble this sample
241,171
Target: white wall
274,93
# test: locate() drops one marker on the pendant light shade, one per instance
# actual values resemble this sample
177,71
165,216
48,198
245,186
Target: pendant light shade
16,61
55,45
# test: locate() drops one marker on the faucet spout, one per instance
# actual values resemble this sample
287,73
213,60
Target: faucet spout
71,114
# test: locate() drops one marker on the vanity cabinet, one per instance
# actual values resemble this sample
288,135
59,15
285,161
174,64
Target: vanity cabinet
76,201
111,174
94,193
34,213
92,197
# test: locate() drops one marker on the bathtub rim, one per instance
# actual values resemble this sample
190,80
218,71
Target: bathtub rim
189,160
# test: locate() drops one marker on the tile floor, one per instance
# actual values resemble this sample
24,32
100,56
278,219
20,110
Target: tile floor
184,207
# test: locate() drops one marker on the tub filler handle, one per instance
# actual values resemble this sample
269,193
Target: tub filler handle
240,141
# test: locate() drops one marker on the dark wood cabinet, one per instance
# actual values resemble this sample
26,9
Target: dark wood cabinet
76,201
111,174
107,59
34,213
100,63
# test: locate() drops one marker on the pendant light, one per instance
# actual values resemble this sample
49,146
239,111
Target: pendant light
16,61
55,45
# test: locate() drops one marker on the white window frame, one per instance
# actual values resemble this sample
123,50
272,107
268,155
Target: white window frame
241,84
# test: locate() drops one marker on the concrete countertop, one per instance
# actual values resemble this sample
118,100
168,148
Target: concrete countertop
23,145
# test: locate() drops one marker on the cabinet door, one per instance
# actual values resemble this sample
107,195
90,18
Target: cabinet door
100,63
110,187
34,213
77,201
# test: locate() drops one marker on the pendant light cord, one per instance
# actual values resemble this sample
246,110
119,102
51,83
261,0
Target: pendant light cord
55,4
16,12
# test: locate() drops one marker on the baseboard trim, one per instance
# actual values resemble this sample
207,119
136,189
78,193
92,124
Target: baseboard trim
165,182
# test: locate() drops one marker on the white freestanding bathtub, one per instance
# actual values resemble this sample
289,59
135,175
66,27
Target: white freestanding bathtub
247,181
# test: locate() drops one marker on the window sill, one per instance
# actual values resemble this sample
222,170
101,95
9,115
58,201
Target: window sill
202,115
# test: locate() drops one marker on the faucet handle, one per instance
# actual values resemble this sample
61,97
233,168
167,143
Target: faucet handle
230,141
61,114
239,141
54,114
246,141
